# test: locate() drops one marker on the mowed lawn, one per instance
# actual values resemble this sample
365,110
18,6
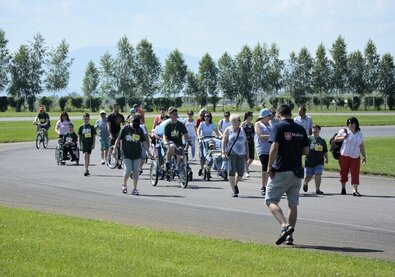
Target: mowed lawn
38,244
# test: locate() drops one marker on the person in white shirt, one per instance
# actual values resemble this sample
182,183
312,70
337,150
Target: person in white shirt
190,125
304,120
350,154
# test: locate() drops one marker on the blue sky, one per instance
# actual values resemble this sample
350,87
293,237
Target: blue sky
198,27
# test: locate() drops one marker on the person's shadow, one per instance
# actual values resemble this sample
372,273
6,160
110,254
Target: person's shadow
337,249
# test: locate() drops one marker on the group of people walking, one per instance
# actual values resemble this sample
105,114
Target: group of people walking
279,141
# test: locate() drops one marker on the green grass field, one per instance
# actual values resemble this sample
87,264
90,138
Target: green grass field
38,244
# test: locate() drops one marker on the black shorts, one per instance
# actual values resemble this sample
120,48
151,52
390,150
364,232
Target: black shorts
264,158
251,150
87,150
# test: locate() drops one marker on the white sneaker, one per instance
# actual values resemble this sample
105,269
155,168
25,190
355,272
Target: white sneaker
103,161
135,192
246,175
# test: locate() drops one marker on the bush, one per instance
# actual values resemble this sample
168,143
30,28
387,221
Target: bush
93,104
3,103
46,101
30,102
63,102
77,102
17,103
354,103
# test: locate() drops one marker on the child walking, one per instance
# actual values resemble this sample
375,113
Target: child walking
86,135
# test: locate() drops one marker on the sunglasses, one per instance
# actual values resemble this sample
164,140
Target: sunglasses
207,116
226,115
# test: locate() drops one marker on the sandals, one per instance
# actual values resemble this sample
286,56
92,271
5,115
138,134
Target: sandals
124,189
285,231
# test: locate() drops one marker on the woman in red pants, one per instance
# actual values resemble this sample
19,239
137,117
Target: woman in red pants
350,154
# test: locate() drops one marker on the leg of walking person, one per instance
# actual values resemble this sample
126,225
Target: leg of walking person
355,166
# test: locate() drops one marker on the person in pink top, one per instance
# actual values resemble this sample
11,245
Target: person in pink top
159,118
350,154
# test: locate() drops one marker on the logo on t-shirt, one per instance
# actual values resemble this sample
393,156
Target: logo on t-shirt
288,136
87,132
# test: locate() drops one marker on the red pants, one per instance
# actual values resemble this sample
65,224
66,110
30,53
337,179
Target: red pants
347,165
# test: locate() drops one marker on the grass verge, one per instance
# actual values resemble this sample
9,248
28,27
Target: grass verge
35,243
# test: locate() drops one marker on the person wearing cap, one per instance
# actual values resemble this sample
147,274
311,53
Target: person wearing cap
304,120
132,111
262,145
314,161
173,134
352,149
288,144
132,140
104,135
42,120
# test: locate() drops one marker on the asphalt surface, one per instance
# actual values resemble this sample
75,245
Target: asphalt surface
364,226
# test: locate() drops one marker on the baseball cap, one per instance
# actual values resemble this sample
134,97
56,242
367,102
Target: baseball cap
132,110
172,109
263,113
102,112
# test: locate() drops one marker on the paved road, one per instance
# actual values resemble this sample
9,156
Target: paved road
333,223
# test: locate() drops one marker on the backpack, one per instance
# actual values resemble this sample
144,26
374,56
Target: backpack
335,146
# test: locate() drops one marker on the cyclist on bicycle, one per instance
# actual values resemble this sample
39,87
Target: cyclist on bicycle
42,120
172,137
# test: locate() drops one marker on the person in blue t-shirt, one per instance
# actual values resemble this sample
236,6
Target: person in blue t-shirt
288,143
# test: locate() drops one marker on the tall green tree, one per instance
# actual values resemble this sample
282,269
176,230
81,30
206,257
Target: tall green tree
125,65
387,79
290,75
371,72
244,77
148,70
303,76
208,77
90,82
5,58
58,72
321,74
19,87
260,68
173,76
339,66
193,90
275,69
38,53
227,77
356,82
107,89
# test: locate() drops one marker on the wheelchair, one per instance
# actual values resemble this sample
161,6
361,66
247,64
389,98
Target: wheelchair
61,157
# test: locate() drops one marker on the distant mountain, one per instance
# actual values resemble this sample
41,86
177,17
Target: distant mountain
84,55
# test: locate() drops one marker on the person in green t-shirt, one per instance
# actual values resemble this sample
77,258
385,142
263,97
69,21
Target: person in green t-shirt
314,161
86,134
172,137
132,138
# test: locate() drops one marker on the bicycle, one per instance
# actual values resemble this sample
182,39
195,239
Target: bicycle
114,159
41,137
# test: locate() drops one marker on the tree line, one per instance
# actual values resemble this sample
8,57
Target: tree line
253,76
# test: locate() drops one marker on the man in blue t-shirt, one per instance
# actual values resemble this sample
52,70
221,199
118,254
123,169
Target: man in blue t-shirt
288,143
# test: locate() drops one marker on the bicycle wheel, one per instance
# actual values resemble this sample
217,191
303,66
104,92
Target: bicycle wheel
154,173
45,142
38,140
183,175
112,160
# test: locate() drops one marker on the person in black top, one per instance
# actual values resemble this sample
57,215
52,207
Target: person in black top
172,136
114,122
288,143
249,129
86,134
69,141
42,120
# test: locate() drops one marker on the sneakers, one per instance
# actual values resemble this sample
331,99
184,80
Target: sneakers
103,161
319,191
343,191
135,192
263,191
236,192
357,194
247,175
289,240
124,189
200,172
285,231
305,187
87,173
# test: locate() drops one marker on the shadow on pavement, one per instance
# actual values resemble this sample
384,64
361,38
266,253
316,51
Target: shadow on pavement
202,187
162,195
337,249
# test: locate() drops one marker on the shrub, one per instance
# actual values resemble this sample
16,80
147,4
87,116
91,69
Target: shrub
77,102
46,101
63,102
3,103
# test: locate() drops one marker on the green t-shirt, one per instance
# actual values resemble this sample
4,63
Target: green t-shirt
317,150
175,131
131,142
87,134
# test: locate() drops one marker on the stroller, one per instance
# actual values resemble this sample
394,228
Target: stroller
212,158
